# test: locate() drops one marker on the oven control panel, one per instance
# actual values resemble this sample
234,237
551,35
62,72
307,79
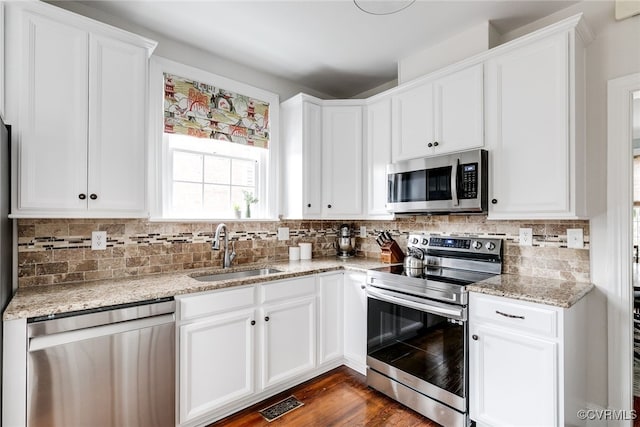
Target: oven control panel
479,245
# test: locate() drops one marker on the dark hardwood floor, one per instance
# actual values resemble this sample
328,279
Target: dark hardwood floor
338,398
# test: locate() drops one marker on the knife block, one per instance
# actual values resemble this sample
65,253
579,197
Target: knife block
391,253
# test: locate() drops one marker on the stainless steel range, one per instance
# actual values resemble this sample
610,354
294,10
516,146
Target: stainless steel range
417,324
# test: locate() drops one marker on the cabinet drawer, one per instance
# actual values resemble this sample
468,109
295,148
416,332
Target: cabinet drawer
288,289
525,317
215,302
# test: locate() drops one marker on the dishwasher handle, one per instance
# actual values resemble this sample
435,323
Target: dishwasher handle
46,341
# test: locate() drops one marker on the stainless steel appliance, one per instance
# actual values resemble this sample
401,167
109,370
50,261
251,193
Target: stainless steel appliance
417,325
6,226
104,367
345,248
439,184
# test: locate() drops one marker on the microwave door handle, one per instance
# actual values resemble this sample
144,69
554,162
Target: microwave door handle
454,183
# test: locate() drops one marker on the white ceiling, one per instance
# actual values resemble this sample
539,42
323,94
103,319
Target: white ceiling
330,46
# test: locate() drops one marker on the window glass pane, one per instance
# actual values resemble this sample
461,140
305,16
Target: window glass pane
217,170
187,196
216,198
243,172
187,166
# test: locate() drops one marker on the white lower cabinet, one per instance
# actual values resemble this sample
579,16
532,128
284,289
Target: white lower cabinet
355,321
216,362
289,345
330,317
527,362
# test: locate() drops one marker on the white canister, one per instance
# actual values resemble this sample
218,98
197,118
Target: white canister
294,253
305,250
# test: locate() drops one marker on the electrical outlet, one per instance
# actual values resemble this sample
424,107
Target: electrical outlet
526,237
575,238
363,231
98,240
283,233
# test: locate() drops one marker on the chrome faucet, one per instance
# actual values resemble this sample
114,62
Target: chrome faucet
229,256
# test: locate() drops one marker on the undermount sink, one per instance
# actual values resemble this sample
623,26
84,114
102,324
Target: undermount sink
237,274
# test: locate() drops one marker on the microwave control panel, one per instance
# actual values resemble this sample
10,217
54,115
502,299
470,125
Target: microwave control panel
468,187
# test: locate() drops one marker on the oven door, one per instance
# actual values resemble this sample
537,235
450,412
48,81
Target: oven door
419,343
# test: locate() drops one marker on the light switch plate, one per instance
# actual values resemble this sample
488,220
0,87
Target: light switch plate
363,231
283,233
575,238
526,237
98,240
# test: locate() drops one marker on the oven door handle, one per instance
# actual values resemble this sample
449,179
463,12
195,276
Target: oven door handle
433,307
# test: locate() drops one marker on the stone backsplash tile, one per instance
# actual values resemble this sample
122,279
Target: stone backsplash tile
52,251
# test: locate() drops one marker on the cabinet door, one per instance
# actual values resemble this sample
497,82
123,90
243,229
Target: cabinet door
355,321
342,160
53,105
216,362
513,378
413,124
312,158
289,340
330,317
528,133
378,156
459,118
117,123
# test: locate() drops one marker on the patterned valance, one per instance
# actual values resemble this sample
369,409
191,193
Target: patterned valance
202,110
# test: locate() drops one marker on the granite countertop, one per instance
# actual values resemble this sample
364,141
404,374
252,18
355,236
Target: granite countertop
555,292
45,300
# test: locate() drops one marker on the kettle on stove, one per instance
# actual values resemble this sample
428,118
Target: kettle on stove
414,263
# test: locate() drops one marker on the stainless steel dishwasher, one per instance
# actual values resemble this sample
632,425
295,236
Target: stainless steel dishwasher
112,366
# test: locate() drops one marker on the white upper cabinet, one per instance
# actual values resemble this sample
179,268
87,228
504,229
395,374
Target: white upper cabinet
439,116
378,155
79,115
535,122
322,158
342,160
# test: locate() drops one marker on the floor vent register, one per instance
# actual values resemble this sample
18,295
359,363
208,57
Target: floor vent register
277,410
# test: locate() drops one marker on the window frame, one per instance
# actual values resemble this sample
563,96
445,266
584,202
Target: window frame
158,149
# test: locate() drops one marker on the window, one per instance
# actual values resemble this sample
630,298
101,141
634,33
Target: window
216,145
209,178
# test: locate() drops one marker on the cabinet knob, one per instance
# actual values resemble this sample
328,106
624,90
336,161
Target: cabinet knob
435,144
429,145
474,337
253,322
266,319
308,205
329,206
82,196
494,201
93,196
363,287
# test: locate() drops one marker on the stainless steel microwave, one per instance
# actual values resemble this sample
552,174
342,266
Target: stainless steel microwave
452,183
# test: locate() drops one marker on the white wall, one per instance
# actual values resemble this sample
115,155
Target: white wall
189,55
471,42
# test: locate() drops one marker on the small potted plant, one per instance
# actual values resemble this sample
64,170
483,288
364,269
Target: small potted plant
236,210
249,200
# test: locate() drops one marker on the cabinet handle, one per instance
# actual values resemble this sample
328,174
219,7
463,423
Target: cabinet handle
329,206
253,322
93,196
82,196
308,205
266,319
435,144
474,337
429,145
494,201
512,316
